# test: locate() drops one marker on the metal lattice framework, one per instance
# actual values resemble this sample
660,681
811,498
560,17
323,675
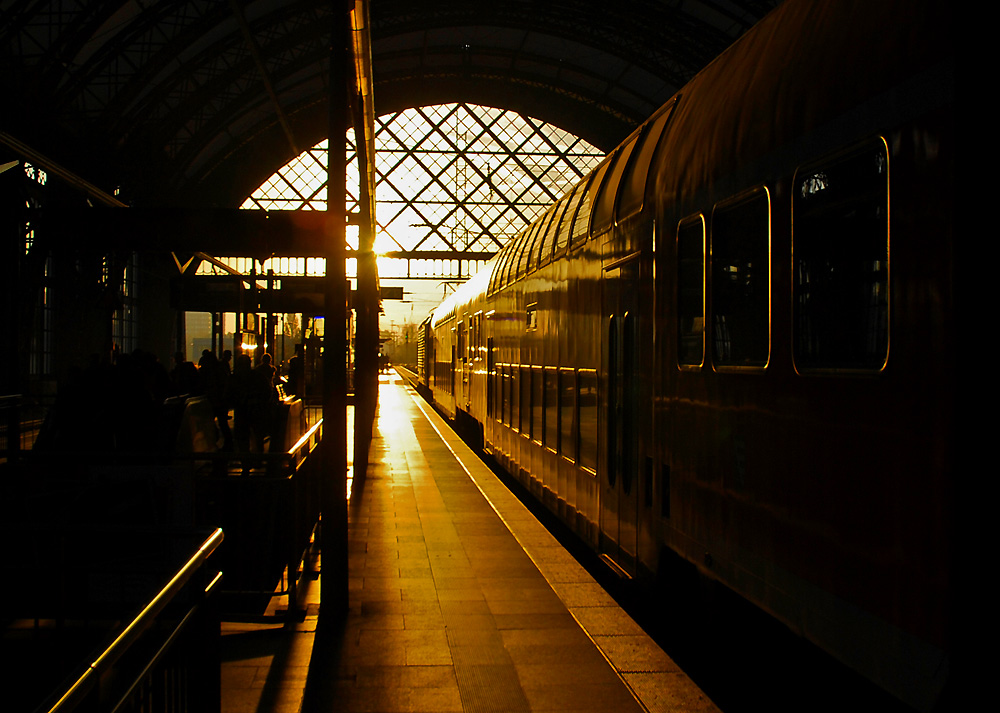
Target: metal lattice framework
454,181
197,101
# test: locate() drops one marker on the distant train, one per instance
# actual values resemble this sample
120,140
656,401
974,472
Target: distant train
735,342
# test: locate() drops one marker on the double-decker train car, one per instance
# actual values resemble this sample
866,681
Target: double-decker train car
733,342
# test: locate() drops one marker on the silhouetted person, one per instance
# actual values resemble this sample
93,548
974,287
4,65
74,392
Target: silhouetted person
184,377
296,373
253,402
213,381
239,389
266,369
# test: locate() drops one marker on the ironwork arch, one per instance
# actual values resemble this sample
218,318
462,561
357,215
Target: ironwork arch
454,183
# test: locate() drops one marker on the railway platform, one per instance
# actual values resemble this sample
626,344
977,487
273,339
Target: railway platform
460,600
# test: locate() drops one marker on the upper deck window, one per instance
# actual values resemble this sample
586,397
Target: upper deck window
840,250
741,281
691,292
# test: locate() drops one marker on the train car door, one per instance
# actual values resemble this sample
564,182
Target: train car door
453,365
464,364
619,472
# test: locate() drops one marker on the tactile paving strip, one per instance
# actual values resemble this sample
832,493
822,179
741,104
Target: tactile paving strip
490,689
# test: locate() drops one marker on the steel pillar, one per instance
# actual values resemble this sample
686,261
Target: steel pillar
334,591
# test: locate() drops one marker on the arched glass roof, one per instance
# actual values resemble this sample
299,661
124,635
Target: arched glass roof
460,178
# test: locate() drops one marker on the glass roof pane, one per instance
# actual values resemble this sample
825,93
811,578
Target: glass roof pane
449,176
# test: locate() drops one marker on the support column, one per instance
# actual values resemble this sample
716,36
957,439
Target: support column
366,363
12,245
334,591
367,302
269,338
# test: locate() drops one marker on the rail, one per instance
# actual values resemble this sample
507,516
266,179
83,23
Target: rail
89,683
21,420
267,502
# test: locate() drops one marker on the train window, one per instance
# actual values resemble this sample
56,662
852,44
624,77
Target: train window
587,384
551,438
497,275
451,378
691,292
496,265
581,224
515,389
628,401
531,317
529,260
633,190
538,404
506,395
510,259
538,249
840,248
741,281
501,384
604,207
477,336
536,244
502,265
575,229
510,269
548,237
612,402
562,229
524,410
567,413
491,378
524,251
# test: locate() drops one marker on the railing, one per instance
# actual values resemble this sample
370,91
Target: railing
268,503
172,659
20,422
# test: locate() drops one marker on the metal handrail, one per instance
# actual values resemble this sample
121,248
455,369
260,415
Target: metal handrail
138,625
306,437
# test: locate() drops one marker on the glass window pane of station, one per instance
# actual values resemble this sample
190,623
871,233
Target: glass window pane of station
741,281
691,292
840,245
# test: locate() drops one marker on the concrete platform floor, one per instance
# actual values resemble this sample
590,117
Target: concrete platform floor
459,601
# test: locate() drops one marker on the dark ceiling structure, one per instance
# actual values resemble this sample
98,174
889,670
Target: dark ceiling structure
196,102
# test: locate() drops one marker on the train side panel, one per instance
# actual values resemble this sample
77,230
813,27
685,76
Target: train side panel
697,377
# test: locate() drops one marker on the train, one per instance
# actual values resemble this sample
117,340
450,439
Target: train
733,343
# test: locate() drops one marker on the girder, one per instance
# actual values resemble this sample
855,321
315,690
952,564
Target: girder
168,98
453,182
